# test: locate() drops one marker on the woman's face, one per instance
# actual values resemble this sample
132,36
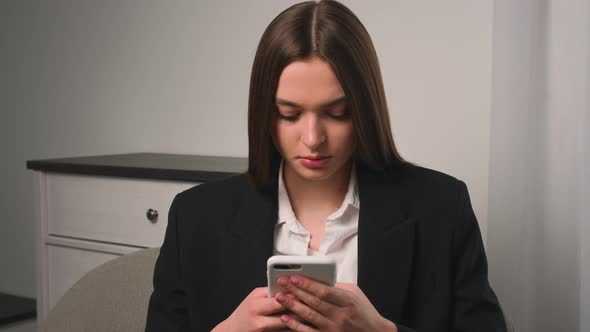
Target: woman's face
314,131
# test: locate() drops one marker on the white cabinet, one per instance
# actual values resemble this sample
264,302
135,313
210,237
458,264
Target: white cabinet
85,220
92,209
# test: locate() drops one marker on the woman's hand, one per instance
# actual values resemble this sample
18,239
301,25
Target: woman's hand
343,308
257,312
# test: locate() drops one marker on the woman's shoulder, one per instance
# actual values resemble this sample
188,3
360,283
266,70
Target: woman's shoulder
433,190
215,192
418,178
416,175
422,185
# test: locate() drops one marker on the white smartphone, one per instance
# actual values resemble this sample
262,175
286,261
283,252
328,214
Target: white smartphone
319,268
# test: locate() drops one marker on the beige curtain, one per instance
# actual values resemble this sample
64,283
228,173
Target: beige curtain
538,226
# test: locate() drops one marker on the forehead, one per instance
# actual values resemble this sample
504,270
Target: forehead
309,83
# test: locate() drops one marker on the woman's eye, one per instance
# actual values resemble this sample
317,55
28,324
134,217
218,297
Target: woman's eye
288,117
343,115
336,115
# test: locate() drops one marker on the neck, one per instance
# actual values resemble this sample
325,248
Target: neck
322,195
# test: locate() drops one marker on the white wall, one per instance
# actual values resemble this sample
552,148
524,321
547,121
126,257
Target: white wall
436,58
96,77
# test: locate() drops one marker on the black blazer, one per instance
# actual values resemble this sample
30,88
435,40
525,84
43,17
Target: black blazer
421,260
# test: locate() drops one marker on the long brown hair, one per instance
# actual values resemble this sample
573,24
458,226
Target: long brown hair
329,30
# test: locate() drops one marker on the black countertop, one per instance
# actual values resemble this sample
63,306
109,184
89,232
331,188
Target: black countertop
161,166
15,308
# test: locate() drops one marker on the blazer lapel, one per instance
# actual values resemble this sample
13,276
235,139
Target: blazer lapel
252,235
385,242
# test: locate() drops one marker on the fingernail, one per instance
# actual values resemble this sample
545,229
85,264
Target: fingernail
285,318
281,298
295,281
283,282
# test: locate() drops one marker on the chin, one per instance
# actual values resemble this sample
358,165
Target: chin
318,174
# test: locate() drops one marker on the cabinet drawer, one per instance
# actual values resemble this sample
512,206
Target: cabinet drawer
109,209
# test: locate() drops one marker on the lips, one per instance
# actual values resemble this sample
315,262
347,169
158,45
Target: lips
314,161
315,157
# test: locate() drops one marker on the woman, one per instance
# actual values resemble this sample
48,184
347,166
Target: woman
324,178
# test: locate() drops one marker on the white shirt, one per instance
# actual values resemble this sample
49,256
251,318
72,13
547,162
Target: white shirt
340,234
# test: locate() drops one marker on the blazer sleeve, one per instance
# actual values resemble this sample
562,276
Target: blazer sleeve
167,310
474,304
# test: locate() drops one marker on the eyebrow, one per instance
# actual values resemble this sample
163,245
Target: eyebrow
335,102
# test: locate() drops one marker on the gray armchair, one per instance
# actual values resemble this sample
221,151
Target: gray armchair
112,297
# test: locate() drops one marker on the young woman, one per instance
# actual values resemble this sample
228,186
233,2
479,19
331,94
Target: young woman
324,178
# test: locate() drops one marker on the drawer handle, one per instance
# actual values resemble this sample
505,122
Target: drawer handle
152,215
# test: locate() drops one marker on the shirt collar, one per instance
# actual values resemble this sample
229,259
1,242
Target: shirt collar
286,214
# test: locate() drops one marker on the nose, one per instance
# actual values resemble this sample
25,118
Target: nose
314,133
